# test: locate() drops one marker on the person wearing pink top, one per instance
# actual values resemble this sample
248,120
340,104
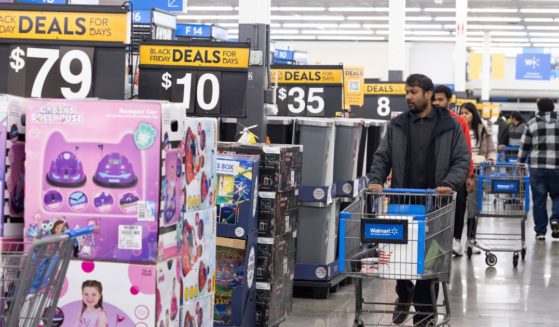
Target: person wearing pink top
92,314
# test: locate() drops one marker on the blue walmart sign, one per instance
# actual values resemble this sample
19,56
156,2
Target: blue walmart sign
533,66
384,231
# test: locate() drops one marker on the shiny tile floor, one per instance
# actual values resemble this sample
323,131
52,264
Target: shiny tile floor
480,296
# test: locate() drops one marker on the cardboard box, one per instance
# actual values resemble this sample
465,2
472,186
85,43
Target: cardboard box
237,185
235,284
280,165
275,258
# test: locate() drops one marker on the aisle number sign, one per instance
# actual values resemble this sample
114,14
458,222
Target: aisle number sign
63,26
308,90
354,86
382,100
63,51
208,78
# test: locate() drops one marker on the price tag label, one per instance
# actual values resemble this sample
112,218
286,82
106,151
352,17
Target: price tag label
209,79
308,90
383,100
62,51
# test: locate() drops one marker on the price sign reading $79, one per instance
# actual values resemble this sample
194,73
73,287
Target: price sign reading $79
62,51
52,71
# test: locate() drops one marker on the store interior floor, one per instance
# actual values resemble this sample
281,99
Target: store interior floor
479,295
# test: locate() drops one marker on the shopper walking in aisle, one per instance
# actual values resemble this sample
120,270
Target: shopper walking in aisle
516,129
443,95
540,144
424,148
483,149
503,130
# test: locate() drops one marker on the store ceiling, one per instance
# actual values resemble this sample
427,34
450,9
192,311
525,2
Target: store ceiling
510,23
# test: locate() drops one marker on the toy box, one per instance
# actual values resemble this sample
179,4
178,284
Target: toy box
80,174
200,144
275,258
280,165
12,172
234,295
199,312
193,243
237,177
91,293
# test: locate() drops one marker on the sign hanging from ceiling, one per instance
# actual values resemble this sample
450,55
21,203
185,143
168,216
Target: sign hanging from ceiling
382,100
308,90
209,78
63,51
533,66
167,5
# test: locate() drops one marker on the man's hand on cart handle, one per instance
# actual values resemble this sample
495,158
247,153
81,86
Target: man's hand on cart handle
375,188
444,190
470,184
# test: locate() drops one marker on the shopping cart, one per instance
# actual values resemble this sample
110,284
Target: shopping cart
508,154
502,194
31,278
399,234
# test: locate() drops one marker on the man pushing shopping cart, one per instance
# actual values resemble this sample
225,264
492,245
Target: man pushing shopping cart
424,148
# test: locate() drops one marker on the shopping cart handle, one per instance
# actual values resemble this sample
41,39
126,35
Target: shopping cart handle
409,191
80,232
499,164
511,147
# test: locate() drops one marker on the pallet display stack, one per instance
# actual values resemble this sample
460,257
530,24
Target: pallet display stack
147,185
237,179
278,183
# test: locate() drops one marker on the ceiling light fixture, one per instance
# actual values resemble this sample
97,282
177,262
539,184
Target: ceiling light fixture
367,18
439,9
305,25
298,17
290,9
494,10
350,38
348,32
210,8
539,11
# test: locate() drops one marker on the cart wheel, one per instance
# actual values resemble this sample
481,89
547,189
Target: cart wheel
358,323
515,260
491,259
523,253
431,323
469,252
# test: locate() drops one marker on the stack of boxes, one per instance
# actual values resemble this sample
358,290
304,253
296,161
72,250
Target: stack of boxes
147,184
237,179
279,180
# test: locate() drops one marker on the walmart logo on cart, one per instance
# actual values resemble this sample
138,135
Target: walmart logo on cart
384,231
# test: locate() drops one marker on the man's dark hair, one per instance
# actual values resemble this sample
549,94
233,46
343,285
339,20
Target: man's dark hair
545,105
444,89
421,81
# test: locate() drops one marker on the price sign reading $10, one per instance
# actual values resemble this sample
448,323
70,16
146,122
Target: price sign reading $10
209,79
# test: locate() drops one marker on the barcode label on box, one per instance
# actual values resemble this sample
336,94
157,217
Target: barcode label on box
146,210
129,237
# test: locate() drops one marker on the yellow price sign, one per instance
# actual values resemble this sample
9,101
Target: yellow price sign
354,89
64,26
194,56
307,76
385,89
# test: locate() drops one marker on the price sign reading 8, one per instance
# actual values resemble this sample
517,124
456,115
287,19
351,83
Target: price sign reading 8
20,58
383,108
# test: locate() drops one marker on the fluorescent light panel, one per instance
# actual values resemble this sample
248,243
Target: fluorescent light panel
367,18
293,37
291,9
210,8
311,25
348,32
494,10
319,18
438,9
539,11
548,34
538,20
544,28
284,31
350,38
500,33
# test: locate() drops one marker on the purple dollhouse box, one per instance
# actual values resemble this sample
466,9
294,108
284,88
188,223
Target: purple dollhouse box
12,172
95,163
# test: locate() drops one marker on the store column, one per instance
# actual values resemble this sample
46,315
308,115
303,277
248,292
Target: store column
254,27
460,48
396,40
486,68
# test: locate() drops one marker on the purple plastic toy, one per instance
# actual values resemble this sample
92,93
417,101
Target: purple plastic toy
115,171
128,199
52,197
66,171
103,199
